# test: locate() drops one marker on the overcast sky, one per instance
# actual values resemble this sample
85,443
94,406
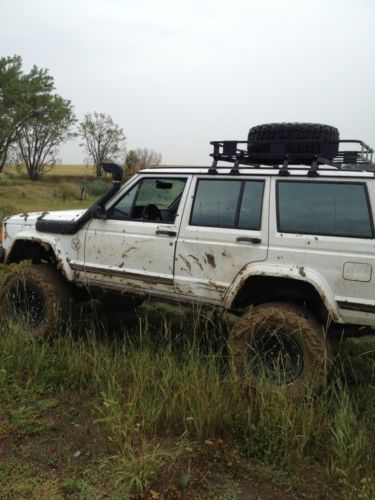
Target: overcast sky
177,74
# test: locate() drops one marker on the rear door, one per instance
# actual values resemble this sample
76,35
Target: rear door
224,227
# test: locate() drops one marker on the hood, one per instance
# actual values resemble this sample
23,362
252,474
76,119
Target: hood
30,218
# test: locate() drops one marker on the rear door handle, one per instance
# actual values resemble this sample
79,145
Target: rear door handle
256,241
165,232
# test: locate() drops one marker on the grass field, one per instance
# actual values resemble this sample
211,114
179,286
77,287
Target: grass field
145,405
68,186
59,170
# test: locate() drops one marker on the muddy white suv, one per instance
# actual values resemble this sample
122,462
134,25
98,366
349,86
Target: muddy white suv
275,231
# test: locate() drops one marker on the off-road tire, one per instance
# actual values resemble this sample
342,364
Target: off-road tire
297,329
52,303
287,136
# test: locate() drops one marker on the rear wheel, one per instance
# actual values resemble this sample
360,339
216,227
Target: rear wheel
35,299
279,344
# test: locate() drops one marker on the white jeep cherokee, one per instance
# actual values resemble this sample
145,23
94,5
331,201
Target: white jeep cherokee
283,238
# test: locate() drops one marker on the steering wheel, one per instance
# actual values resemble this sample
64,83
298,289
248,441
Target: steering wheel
151,212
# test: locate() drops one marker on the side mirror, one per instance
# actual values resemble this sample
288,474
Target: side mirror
98,212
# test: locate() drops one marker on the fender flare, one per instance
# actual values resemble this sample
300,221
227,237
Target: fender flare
299,273
49,243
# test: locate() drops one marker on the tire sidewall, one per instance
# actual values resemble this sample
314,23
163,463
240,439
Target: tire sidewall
39,277
302,328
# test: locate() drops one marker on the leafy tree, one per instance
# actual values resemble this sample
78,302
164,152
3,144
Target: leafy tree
141,158
33,120
19,94
131,164
102,139
38,139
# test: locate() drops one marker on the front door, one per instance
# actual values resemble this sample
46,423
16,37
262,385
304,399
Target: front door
134,247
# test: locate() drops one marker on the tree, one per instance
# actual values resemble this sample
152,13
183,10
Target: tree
102,139
33,120
39,138
131,164
19,94
141,158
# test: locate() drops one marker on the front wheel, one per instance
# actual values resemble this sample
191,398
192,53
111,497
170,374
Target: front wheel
35,299
279,344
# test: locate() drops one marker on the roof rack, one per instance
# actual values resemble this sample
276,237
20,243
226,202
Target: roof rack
278,155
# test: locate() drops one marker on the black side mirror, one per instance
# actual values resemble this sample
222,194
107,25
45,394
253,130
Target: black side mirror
98,212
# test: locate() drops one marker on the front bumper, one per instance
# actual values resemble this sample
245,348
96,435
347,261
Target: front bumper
2,254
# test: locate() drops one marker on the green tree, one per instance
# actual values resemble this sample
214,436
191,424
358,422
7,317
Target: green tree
102,139
38,139
33,120
18,103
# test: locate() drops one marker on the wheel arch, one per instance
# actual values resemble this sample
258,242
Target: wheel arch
296,285
39,250
30,249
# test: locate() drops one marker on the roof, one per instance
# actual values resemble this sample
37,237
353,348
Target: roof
293,171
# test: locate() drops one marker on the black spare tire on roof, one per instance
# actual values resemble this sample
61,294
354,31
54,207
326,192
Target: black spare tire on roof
300,141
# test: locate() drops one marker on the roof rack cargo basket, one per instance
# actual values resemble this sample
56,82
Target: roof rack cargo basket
297,152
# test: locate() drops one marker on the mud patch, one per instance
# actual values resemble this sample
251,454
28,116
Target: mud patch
186,262
211,260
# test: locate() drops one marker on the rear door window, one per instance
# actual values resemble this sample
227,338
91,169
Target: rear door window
324,208
228,203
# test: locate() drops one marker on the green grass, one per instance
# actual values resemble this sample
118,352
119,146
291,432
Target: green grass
150,401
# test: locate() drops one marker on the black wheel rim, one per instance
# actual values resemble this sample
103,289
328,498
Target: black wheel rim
26,304
277,357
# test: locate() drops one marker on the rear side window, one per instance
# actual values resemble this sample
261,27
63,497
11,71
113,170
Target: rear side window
228,203
324,208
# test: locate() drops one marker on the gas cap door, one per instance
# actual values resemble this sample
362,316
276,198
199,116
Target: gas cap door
357,271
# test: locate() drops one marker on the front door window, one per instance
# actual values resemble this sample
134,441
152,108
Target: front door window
150,200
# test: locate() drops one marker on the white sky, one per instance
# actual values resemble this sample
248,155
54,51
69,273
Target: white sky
177,74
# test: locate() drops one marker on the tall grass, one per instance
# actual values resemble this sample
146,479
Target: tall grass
151,385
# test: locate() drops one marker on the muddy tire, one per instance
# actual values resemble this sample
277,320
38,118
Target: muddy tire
279,344
35,300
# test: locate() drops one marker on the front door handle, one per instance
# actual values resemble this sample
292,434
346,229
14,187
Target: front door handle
165,232
256,241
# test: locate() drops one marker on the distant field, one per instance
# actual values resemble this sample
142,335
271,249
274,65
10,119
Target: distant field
67,186
60,170
72,170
